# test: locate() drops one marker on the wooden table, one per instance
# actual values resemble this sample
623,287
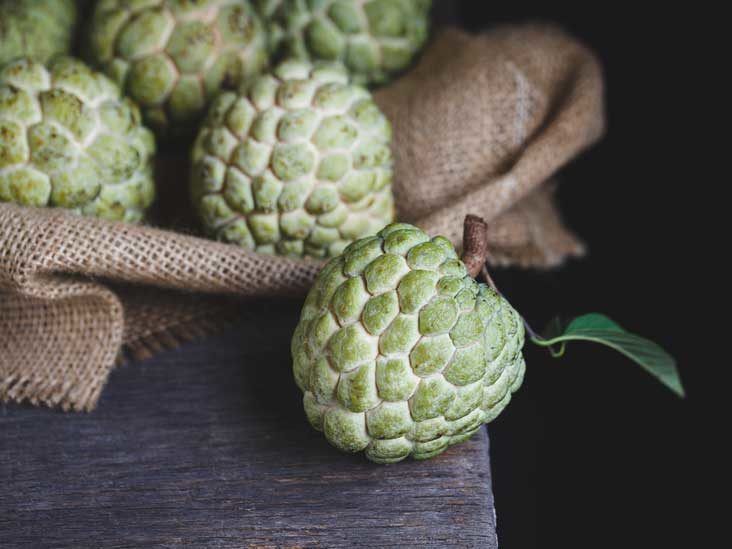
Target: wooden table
207,446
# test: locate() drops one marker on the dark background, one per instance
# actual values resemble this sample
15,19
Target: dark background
592,451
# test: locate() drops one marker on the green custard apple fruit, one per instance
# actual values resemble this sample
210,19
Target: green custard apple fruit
375,39
399,352
298,162
35,29
69,139
173,56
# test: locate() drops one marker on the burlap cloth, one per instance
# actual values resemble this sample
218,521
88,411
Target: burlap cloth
481,124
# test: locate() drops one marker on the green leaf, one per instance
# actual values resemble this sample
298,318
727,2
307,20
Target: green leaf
593,321
600,329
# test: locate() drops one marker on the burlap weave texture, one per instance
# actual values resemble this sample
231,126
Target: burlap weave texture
481,125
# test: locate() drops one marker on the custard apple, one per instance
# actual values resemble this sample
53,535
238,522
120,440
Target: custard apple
68,139
375,39
36,29
297,163
399,352
173,56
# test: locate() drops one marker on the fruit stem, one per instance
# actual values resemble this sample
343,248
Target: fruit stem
475,248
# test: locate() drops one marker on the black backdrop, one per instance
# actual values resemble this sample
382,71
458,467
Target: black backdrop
593,452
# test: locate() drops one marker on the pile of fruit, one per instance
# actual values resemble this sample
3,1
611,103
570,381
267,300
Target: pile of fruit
289,153
399,351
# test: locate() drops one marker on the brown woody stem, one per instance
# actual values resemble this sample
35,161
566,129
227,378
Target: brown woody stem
475,247
475,244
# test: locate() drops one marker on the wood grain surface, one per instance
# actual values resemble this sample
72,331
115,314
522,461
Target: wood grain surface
207,446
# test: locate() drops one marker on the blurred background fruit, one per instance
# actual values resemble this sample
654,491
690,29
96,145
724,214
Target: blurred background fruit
298,163
375,39
36,29
69,139
173,56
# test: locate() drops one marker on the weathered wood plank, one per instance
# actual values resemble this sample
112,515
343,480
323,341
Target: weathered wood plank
207,446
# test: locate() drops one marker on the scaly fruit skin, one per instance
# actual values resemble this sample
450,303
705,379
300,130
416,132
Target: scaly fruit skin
375,39
35,29
68,139
297,163
173,56
399,352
